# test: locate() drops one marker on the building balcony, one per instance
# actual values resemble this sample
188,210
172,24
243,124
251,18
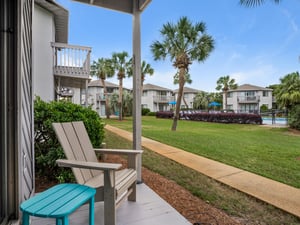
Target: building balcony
71,64
100,97
163,99
248,99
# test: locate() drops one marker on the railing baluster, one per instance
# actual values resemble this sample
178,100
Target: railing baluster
71,60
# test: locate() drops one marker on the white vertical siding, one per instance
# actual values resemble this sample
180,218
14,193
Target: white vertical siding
43,35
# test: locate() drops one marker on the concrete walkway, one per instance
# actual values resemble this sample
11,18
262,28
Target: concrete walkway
277,194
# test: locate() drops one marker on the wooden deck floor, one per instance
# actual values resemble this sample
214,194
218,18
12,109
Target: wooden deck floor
149,209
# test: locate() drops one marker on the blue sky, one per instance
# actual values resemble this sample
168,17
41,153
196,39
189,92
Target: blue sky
252,45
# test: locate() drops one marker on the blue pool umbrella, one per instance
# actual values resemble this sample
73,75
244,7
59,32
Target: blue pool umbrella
214,104
172,103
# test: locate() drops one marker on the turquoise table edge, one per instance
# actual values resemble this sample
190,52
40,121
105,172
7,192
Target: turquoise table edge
59,202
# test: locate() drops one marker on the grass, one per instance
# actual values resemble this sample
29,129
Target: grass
247,209
270,152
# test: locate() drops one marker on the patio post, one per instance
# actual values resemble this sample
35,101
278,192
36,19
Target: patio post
137,117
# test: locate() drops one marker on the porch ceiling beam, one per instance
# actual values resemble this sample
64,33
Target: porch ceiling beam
118,5
125,6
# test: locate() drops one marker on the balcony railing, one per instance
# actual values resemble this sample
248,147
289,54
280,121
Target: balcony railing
248,99
71,60
163,99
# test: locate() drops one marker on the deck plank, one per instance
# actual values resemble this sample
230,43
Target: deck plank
149,209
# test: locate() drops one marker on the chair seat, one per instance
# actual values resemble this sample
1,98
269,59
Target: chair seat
124,179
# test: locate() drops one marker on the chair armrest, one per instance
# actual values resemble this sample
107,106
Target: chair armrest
118,151
88,165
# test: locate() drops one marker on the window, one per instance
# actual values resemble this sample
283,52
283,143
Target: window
250,93
229,107
229,94
265,93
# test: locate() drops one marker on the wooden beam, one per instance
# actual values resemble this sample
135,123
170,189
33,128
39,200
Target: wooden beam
143,4
125,6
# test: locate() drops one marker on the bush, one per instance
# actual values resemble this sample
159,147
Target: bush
241,118
151,114
47,147
264,108
164,114
294,119
145,111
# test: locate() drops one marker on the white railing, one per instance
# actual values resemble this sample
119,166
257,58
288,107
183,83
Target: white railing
248,98
163,98
71,60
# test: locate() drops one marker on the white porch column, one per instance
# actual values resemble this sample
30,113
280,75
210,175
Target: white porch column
137,117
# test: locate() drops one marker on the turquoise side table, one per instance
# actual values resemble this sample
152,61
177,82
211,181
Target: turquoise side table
59,202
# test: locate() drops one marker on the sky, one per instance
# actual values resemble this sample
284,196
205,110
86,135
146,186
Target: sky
254,46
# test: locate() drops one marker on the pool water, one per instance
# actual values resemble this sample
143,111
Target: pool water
268,120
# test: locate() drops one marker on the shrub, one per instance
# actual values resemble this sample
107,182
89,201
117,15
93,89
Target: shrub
164,114
145,111
294,119
47,147
241,118
263,108
151,114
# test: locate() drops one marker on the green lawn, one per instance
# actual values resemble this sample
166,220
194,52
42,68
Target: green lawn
270,152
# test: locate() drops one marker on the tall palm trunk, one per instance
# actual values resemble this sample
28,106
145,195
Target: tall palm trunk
225,95
178,102
107,108
183,98
120,98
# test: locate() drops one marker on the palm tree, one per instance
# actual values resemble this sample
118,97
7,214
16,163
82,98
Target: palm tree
145,69
119,64
103,69
288,92
187,79
183,43
113,101
225,84
251,3
127,103
200,100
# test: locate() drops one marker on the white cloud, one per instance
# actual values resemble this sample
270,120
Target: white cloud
260,76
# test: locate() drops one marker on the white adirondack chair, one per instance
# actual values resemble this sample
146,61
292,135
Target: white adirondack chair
113,185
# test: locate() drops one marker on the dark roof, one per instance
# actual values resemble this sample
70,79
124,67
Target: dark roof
249,87
188,90
154,87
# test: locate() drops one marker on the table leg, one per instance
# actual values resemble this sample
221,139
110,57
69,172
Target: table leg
58,221
92,211
25,218
62,221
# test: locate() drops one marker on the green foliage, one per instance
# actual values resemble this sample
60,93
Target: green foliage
145,111
151,114
288,92
294,120
127,103
47,147
263,108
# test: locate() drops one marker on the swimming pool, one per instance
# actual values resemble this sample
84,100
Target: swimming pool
268,120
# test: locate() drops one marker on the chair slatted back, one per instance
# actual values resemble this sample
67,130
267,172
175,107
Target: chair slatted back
76,144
